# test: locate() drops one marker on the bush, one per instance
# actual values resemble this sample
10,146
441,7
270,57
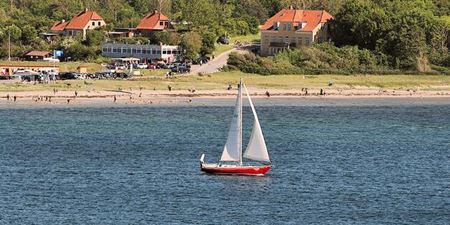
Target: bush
321,59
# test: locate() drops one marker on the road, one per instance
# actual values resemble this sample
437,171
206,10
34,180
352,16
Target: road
214,65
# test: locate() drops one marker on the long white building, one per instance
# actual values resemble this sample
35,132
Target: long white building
165,52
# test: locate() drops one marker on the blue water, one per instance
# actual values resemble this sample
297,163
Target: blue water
333,164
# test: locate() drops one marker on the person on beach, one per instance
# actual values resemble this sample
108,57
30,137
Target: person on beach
15,98
229,87
322,92
140,95
268,94
306,91
115,99
169,87
7,97
49,98
68,101
76,94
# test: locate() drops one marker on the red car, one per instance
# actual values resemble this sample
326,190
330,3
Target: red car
151,66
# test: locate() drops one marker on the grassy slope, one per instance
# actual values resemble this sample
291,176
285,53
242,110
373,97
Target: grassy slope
220,81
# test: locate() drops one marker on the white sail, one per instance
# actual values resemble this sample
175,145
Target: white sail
232,150
256,148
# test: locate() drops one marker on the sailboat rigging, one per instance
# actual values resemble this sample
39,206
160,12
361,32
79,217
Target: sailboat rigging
231,161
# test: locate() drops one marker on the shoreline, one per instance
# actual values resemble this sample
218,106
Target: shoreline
30,99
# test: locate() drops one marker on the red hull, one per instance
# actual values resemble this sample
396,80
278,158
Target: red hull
237,170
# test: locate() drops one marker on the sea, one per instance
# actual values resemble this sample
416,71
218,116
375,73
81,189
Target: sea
363,161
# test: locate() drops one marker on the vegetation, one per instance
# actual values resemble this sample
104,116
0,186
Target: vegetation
367,35
25,19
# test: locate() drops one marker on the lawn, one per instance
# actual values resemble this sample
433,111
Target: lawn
252,38
155,80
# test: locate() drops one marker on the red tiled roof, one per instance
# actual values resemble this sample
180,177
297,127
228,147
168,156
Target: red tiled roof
59,26
38,53
312,18
151,21
79,21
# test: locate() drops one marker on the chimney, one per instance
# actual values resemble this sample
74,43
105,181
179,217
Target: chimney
62,21
291,7
86,10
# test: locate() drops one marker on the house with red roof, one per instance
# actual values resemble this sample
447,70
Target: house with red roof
153,22
79,24
38,55
292,28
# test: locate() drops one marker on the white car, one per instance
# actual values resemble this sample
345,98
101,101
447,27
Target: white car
142,66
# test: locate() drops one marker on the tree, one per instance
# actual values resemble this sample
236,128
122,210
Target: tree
208,42
94,38
191,43
29,34
14,31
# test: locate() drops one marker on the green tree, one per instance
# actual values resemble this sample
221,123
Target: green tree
29,34
94,38
191,43
14,31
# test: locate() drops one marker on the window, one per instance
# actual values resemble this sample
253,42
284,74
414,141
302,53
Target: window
158,52
169,51
164,51
134,51
129,50
154,52
105,49
306,41
93,24
289,26
139,51
99,23
161,23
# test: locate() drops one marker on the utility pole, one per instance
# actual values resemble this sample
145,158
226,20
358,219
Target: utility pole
9,45
9,31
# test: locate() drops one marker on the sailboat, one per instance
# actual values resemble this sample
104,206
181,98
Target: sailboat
231,161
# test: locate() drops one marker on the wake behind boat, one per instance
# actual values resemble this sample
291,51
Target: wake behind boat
231,161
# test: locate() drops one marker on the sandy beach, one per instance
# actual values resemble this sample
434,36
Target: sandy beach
184,97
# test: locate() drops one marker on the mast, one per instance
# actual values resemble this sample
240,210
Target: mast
240,121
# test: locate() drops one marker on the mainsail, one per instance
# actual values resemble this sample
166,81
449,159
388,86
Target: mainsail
256,148
233,148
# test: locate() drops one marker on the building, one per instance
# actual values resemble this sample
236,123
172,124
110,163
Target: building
79,24
154,21
291,28
38,56
167,53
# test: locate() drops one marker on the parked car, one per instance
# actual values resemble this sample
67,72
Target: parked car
121,75
181,69
161,66
223,40
68,76
31,77
121,67
151,66
142,66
